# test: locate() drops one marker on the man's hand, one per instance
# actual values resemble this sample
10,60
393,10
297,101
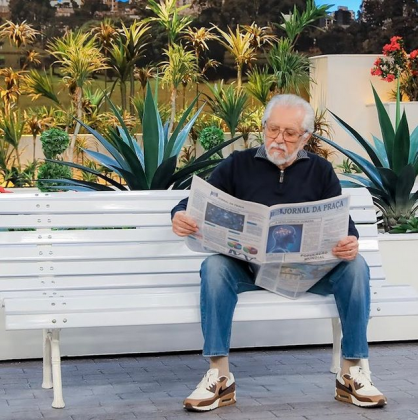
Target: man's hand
183,225
346,249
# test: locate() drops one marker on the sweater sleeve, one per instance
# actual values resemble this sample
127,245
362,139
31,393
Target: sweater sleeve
221,178
332,188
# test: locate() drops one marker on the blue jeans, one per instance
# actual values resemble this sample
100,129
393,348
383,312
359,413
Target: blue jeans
223,278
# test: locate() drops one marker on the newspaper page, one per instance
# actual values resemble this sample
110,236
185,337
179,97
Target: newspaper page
226,224
292,243
299,244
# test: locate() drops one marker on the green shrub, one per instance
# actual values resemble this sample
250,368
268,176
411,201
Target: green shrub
50,170
211,137
54,142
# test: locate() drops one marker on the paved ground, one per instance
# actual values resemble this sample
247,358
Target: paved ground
285,383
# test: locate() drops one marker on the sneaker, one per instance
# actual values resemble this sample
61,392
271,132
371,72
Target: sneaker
212,392
357,388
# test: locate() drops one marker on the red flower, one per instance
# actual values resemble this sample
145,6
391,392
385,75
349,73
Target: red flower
395,39
378,61
413,54
390,78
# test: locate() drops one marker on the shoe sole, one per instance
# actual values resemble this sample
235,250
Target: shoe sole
348,398
227,399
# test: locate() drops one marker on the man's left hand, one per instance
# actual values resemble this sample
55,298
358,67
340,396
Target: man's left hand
346,249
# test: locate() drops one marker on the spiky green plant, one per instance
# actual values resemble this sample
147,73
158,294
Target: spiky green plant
290,68
390,173
260,84
152,166
227,103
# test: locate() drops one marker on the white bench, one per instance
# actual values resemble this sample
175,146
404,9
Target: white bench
105,259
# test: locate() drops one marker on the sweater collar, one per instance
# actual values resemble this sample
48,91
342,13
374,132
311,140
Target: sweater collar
262,153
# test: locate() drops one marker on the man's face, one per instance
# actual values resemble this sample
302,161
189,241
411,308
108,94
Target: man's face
284,135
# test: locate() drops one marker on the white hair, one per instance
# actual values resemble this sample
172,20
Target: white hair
292,101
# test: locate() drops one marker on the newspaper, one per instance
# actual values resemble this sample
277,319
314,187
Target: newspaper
290,244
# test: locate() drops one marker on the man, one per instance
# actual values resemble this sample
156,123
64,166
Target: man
280,171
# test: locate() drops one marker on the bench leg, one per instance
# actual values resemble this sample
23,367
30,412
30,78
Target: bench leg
336,345
47,366
56,370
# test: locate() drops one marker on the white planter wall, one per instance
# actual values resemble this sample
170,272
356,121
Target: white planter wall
343,86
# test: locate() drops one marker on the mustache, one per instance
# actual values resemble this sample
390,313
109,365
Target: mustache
277,147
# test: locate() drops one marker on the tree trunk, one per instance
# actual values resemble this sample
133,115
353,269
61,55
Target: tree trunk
123,95
239,76
79,103
173,109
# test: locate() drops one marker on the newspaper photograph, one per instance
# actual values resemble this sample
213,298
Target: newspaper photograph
292,243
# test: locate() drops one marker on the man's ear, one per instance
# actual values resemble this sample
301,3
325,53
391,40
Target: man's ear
305,139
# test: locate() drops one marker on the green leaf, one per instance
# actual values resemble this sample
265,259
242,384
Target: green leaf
386,127
401,146
163,175
109,147
89,170
152,139
171,143
377,161
369,170
406,181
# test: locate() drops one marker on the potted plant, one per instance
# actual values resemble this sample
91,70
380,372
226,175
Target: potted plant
390,173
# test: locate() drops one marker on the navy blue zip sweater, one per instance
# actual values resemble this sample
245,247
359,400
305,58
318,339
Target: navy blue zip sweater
249,175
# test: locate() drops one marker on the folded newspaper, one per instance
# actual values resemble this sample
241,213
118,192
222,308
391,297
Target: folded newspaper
290,244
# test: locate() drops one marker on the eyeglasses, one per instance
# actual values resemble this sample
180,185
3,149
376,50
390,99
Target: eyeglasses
289,135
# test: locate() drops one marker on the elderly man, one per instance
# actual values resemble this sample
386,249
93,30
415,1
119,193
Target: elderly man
279,172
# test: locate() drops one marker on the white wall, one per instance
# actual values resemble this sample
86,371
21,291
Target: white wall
342,84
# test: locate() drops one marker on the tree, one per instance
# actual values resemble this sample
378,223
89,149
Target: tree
79,57
35,12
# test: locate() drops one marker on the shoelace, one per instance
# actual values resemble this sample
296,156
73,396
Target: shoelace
361,378
208,380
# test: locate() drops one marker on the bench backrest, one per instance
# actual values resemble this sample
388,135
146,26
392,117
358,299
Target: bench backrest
64,241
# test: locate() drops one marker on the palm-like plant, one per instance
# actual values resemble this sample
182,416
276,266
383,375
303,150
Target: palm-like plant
31,57
261,35
228,104
391,172
299,21
36,84
105,33
169,17
36,124
180,66
134,37
198,38
260,84
291,69
19,34
11,91
240,46
151,167
11,127
79,57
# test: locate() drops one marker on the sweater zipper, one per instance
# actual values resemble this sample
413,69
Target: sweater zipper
281,178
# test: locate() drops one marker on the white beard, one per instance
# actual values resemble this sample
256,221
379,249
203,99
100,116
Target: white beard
274,157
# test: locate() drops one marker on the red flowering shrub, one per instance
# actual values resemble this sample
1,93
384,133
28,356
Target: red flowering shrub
397,64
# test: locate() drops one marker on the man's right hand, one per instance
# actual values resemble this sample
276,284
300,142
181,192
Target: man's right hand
183,225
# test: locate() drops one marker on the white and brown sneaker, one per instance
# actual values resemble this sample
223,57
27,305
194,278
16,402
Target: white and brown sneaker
212,392
357,388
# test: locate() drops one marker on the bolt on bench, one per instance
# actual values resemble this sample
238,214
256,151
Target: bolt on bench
107,259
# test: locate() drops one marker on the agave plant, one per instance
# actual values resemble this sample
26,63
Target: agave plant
154,166
390,174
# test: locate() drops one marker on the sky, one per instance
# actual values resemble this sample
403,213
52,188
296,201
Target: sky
351,4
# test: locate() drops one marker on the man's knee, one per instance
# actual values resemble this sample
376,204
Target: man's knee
357,274
215,270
